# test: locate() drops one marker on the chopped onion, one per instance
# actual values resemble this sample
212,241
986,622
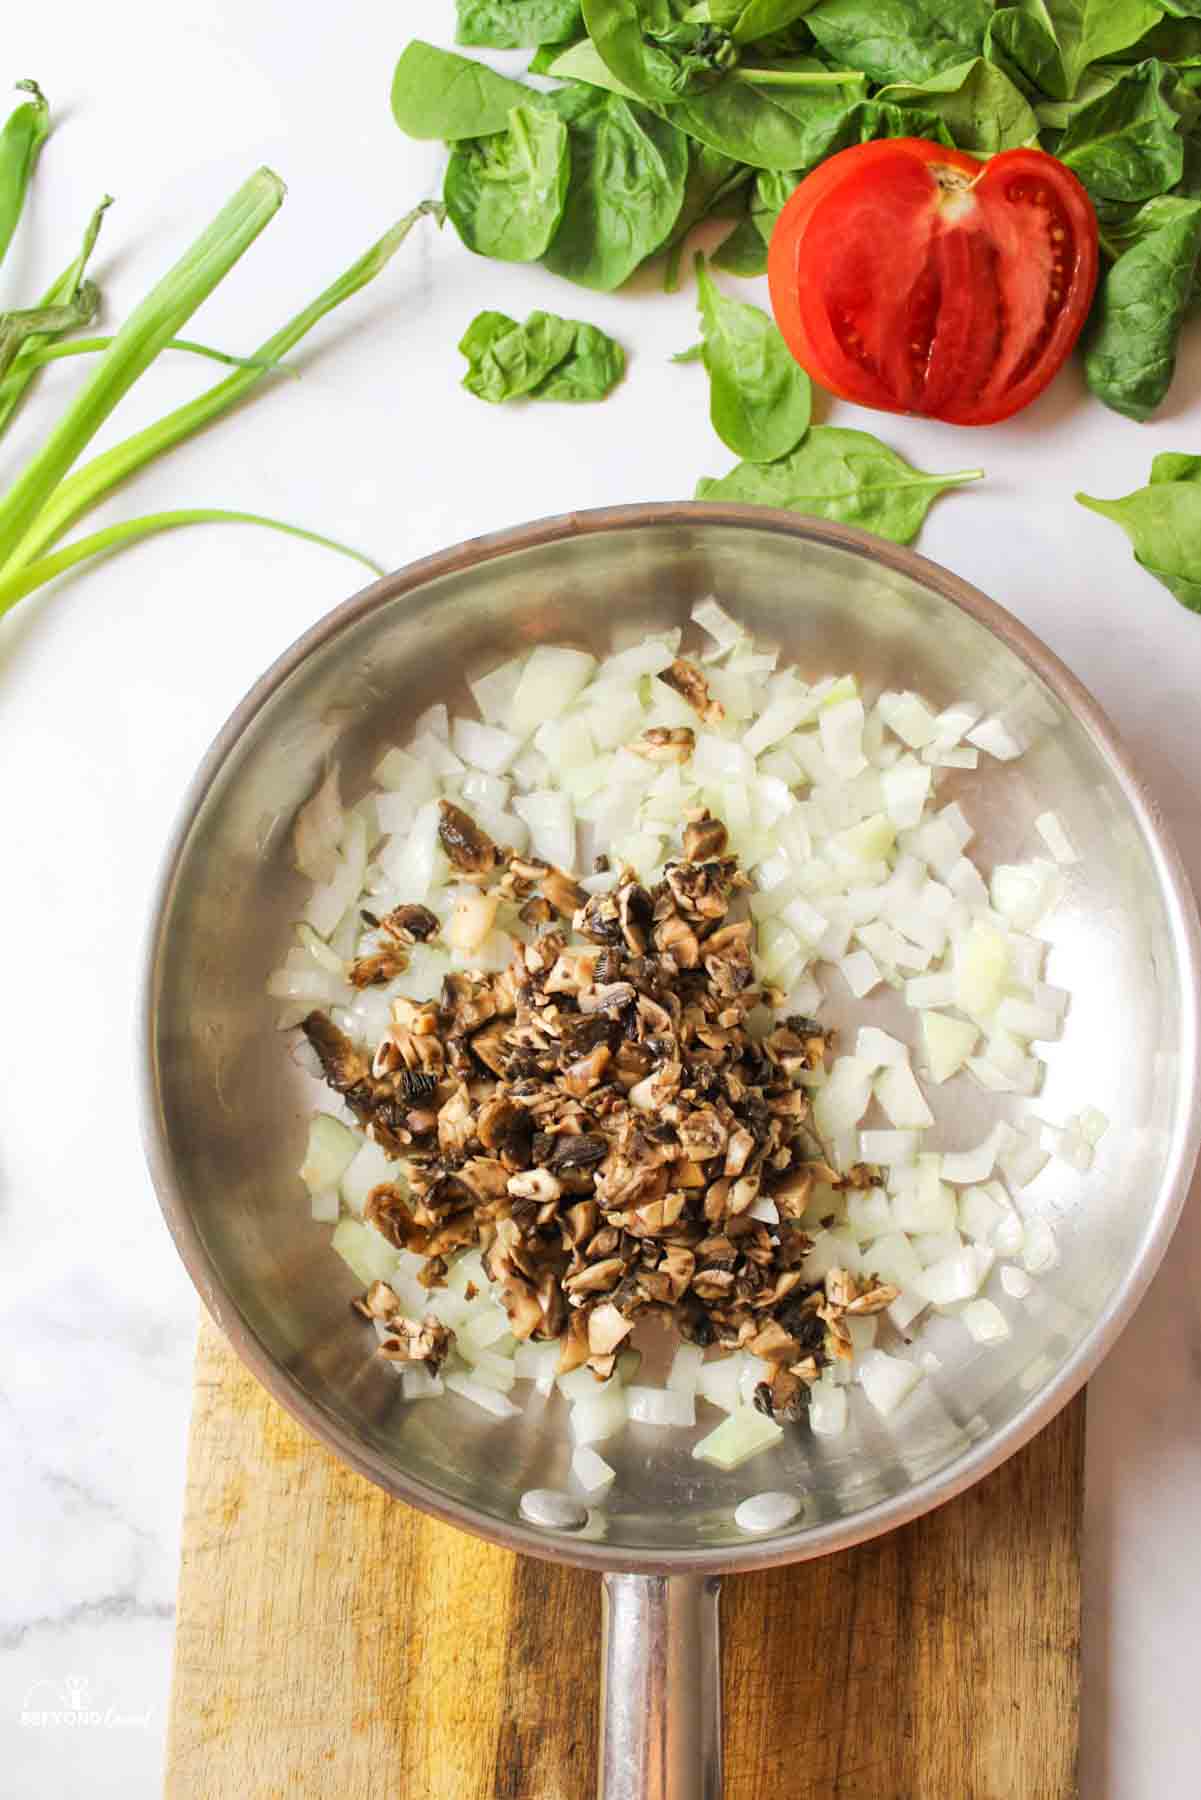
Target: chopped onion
985,1322
979,1214
908,718
869,1214
718,1382
841,730
331,1148
906,789
660,1406
744,1434
364,1251
981,969
550,681
845,1097
896,1088
860,972
931,990
318,830
590,1470
367,1169
907,1307
876,1047
488,1399
995,740
418,1384
954,1277
1093,1125
484,746
536,1363
685,1373
827,1409
599,1416
949,1043
970,1167
1016,1282
1027,1020
552,827
325,1206
923,1202
1039,1249
892,1148
894,1260
887,1380
714,619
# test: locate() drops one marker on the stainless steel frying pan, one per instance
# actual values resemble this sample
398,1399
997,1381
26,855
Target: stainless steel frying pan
225,1108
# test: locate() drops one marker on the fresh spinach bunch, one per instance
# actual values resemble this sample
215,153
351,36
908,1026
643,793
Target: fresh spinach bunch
1163,523
546,358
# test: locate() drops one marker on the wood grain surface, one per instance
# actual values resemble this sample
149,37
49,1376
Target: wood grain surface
332,1642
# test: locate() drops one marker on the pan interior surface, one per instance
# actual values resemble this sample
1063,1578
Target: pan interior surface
228,1108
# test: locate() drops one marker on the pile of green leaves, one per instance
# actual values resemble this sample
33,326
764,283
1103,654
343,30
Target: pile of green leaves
49,494
671,112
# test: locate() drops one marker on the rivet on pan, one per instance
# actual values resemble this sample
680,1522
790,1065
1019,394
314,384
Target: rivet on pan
767,1512
553,1510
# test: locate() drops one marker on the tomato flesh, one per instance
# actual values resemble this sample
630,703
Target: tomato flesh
912,278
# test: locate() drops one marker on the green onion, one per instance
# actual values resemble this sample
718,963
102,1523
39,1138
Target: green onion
22,137
87,485
148,329
114,537
87,346
60,292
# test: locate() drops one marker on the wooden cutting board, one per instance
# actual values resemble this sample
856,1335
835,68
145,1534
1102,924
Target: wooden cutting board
334,1643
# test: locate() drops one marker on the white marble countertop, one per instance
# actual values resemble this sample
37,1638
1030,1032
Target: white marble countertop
114,682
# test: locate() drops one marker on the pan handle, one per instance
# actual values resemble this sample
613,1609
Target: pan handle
660,1688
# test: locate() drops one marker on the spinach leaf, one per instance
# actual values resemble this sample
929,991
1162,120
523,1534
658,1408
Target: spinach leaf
694,353
764,18
1057,115
591,369
865,122
1163,523
744,252
1126,144
547,358
786,132
903,40
505,194
714,182
659,65
516,24
981,107
848,476
1175,465
546,54
760,400
1021,40
1130,349
583,62
436,94
1090,31
628,169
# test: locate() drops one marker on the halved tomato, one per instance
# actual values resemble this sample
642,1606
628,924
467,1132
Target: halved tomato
911,277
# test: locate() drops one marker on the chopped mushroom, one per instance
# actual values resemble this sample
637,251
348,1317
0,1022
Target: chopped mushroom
599,1120
661,744
691,685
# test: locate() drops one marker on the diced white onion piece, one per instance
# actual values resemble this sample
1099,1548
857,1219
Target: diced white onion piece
845,1097
327,904
949,1043
906,788
409,784
531,770
887,1380
868,842
931,990
780,717
985,1322
484,746
1093,1125
879,1049
660,1406
491,1370
590,1470
324,1205
1009,1235
955,756
981,969
830,1250
1050,828
827,1409
744,1434
935,1246
995,740
841,729
550,681
1019,892
488,1399
579,1384
923,1202
485,1326
472,916
417,1383
330,1150
979,1214
1016,1283
860,972
892,1148
1051,999
990,1077
955,1277
450,1309
600,1416
714,619
718,1382
368,1255
869,1214
685,1372
1023,1162
1026,1020
894,1260
753,1370
968,1168
493,693
552,826
897,1090
907,1306
1039,1248
908,718
312,984
809,925
536,1363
